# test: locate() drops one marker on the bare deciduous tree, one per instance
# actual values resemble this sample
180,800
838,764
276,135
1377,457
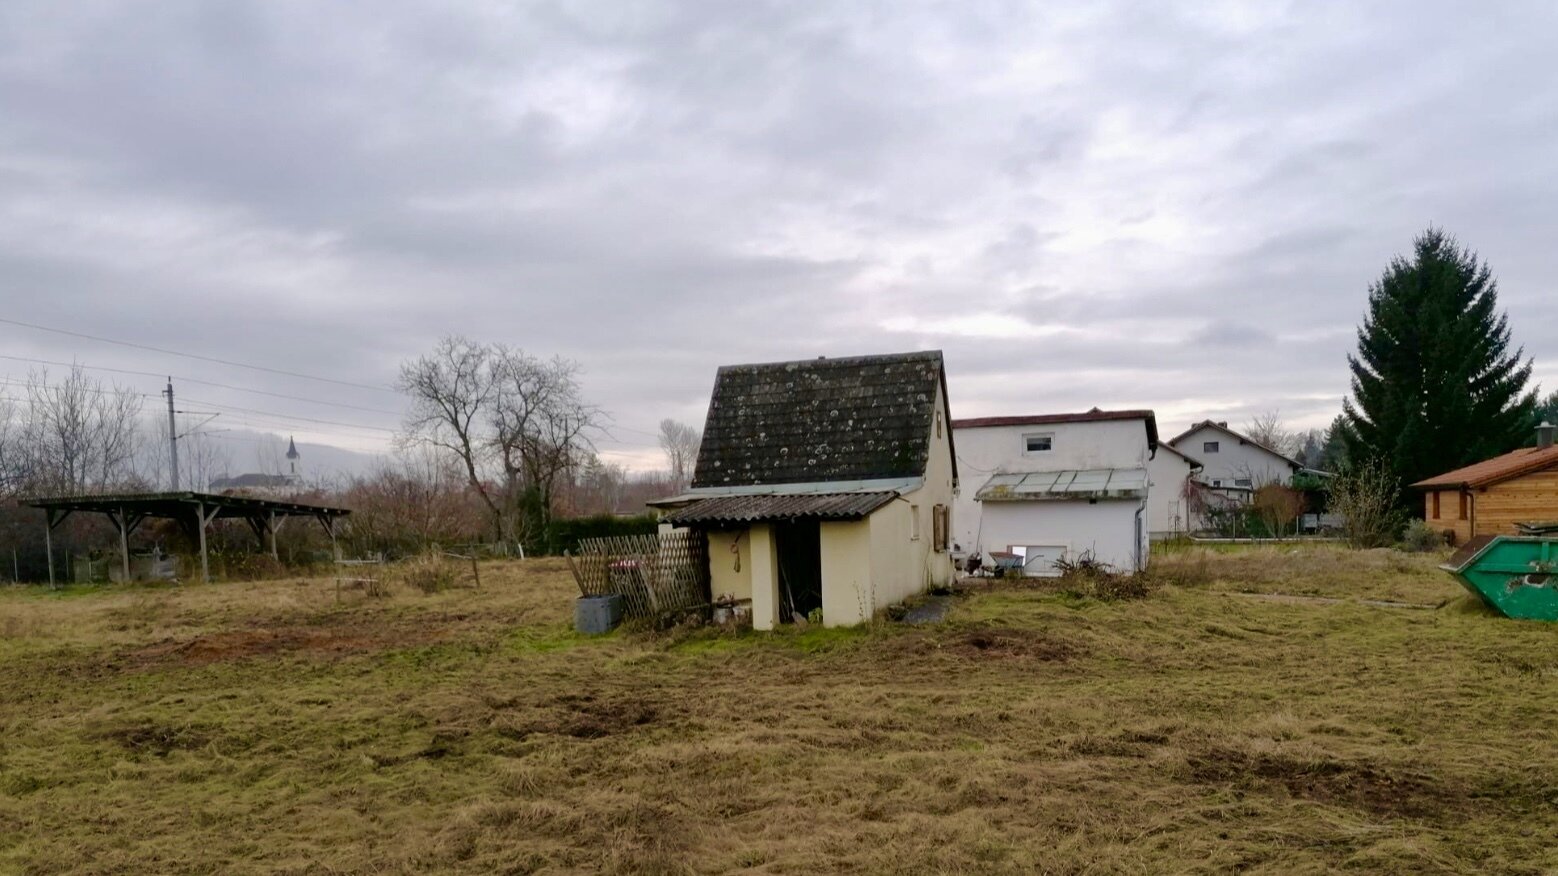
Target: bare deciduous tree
540,425
1268,429
419,498
516,424
451,392
77,435
680,443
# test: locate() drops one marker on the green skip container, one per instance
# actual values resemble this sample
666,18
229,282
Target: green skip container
1513,574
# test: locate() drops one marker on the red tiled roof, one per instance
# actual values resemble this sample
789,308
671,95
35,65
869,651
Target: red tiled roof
1499,468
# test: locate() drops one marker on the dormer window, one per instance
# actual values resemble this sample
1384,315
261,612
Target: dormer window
1039,442
1208,446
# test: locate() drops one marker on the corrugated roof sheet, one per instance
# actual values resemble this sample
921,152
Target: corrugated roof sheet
1499,468
1097,483
755,509
856,418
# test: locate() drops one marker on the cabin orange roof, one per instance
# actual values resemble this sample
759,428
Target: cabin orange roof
1499,468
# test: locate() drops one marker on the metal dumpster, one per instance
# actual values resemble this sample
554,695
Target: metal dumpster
1513,574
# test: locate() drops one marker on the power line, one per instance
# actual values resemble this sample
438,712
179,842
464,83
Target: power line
159,375
196,356
275,415
28,384
239,416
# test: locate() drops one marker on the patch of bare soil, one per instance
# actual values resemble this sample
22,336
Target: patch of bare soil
1011,642
230,645
1360,785
584,716
149,737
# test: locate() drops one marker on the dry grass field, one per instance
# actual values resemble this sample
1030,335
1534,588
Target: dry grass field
263,727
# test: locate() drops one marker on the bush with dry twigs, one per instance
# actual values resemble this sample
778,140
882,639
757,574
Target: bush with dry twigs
429,572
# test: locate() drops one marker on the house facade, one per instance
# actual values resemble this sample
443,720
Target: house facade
1056,486
1232,463
825,484
1490,497
1171,476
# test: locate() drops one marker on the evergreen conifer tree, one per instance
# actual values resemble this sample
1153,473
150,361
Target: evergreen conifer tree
1435,383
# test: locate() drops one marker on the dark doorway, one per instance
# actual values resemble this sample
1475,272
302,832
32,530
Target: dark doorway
799,546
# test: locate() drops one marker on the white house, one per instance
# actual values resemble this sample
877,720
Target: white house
1170,474
1232,463
1056,486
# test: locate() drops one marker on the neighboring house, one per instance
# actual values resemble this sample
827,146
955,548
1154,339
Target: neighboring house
825,483
1231,463
1056,486
253,481
1490,497
1171,509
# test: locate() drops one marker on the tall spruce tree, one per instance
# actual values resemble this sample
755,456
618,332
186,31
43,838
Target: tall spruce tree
1435,384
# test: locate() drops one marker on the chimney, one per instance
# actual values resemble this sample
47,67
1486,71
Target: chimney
1223,423
1544,436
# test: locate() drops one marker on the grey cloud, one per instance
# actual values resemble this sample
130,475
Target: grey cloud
1181,205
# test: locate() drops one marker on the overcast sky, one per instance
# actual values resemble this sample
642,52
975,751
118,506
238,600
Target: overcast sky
1081,204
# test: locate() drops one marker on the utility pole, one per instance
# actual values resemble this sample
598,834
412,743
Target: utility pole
173,437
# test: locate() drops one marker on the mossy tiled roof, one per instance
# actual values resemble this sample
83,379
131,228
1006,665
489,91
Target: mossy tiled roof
815,420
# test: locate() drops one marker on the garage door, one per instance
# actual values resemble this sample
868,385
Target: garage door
1039,559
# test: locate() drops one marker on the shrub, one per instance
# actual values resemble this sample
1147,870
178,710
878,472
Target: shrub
564,534
428,572
1365,497
1419,537
1087,576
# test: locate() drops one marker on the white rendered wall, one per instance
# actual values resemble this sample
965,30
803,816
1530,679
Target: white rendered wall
1107,528
988,450
1234,460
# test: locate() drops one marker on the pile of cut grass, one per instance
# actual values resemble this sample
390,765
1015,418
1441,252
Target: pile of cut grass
264,728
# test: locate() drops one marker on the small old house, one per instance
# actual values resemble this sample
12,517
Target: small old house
1490,497
1058,487
824,484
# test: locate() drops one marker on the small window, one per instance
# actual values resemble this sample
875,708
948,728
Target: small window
1243,482
1216,482
1436,504
938,423
1465,501
1040,443
941,522
1208,446
914,522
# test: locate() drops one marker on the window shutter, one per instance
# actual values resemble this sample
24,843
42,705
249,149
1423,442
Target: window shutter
940,523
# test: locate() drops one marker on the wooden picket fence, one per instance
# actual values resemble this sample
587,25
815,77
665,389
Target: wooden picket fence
655,574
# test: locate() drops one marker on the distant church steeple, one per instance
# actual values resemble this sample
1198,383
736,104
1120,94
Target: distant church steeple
293,455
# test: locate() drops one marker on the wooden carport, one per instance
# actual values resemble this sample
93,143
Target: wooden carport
194,511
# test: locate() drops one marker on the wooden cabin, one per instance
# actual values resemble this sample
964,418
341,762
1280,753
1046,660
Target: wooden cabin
1490,497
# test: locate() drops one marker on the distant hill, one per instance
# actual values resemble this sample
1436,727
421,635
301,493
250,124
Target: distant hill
251,451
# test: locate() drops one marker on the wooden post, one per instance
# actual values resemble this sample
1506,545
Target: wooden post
328,523
123,522
271,530
48,543
475,574
205,564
